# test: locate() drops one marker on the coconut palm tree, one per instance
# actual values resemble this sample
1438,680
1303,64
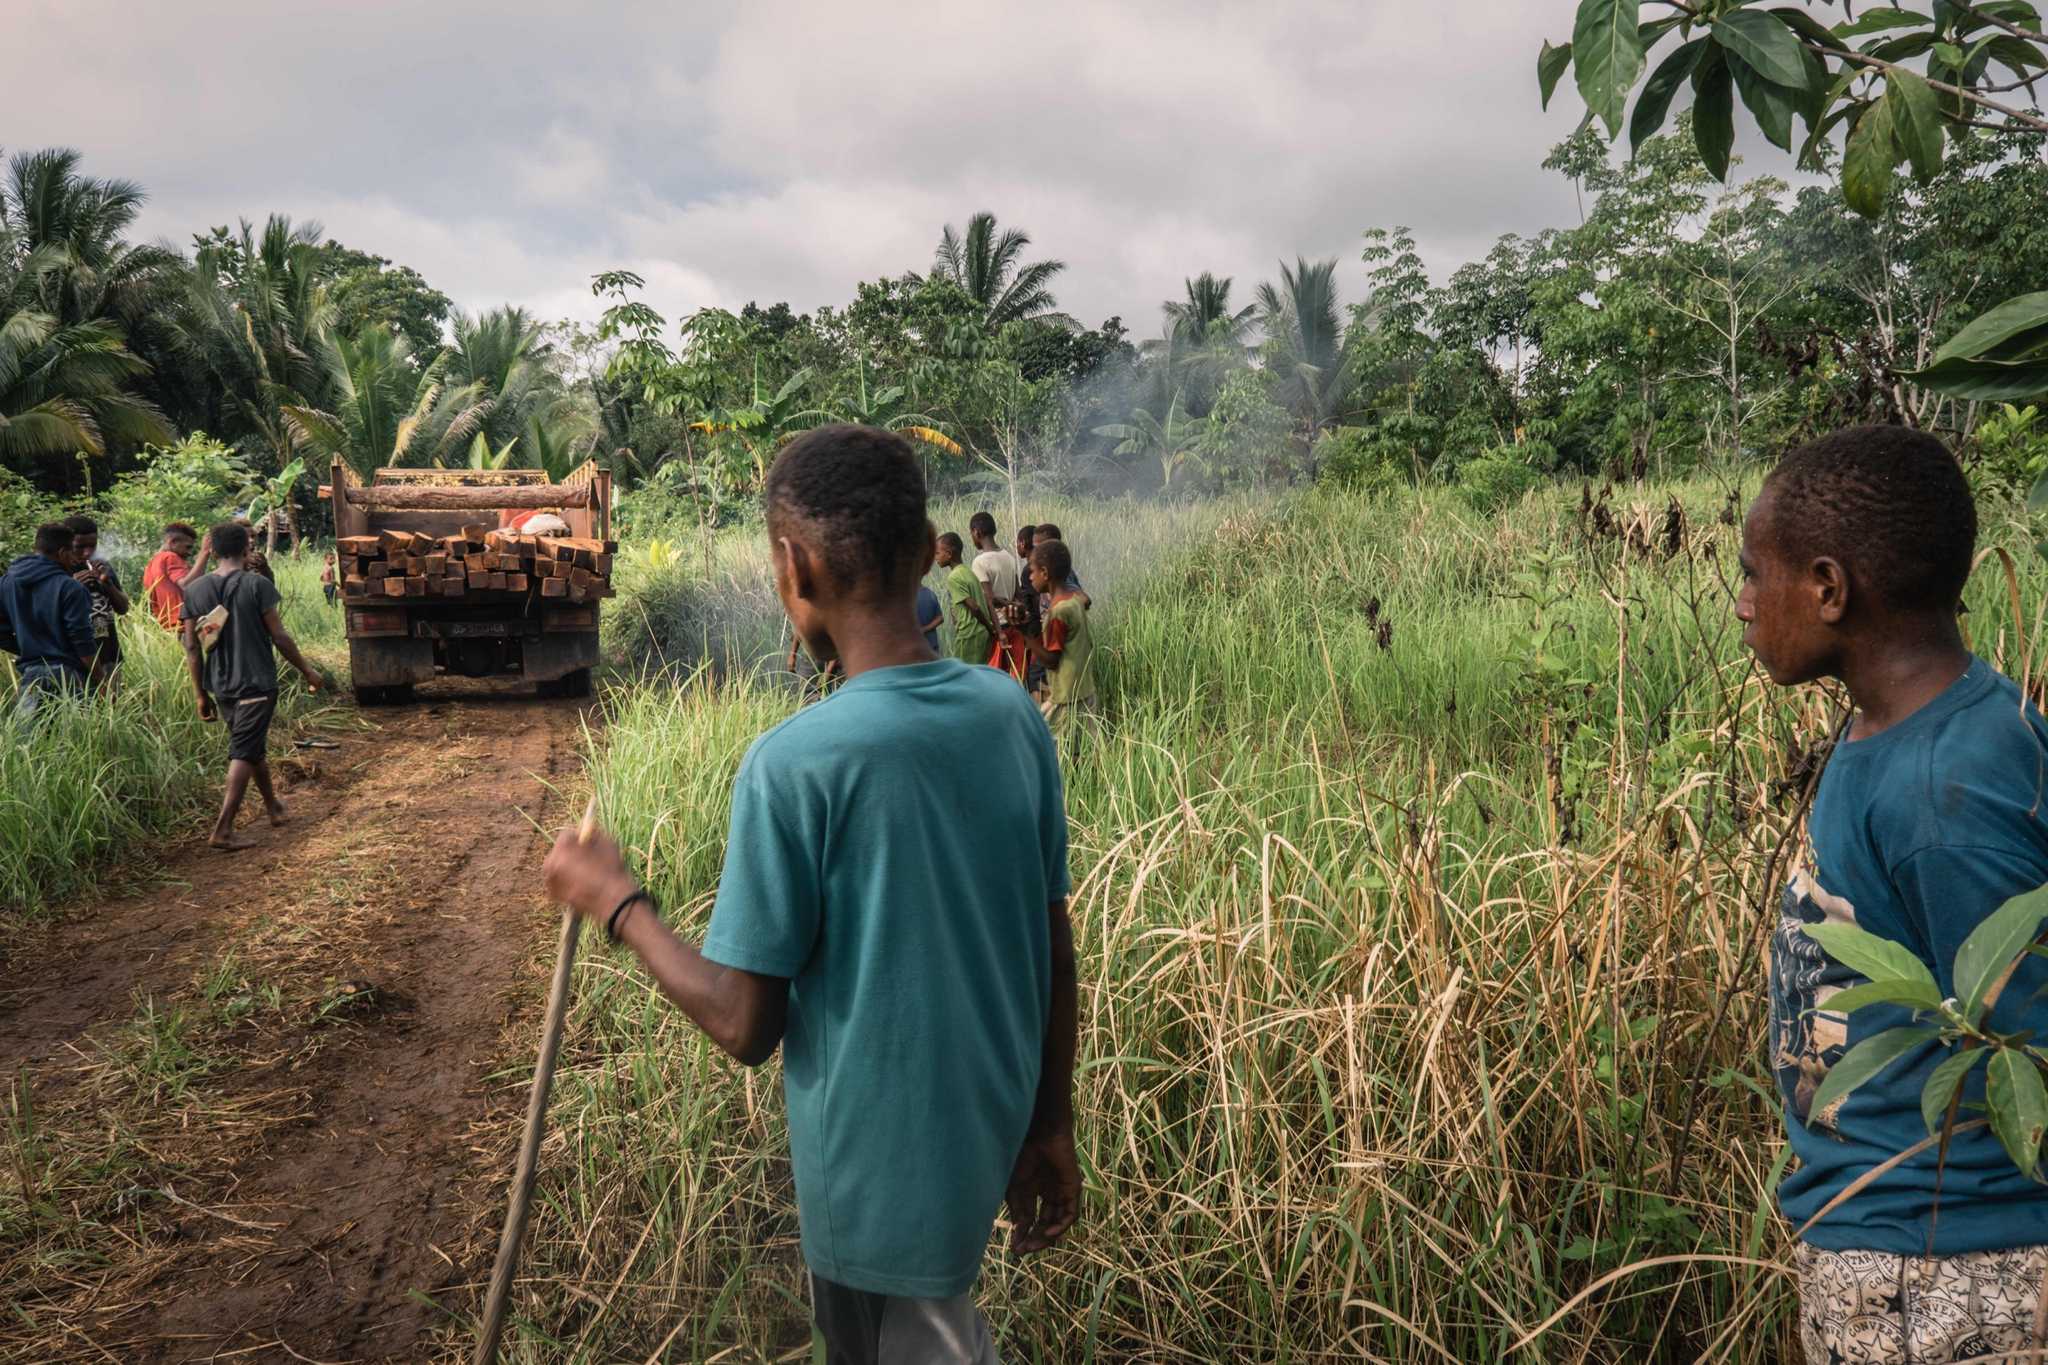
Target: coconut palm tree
989,267
387,411
256,322
1172,440
1305,344
47,206
64,390
1204,317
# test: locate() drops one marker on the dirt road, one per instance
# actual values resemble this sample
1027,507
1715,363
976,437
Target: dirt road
258,1121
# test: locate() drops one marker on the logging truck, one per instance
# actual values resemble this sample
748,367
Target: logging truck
438,576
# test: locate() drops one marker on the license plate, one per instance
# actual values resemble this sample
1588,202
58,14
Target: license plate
463,628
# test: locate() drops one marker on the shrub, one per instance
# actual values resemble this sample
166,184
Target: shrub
1499,477
23,507
1353,457
198,480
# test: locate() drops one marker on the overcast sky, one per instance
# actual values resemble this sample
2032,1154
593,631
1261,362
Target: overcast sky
786,151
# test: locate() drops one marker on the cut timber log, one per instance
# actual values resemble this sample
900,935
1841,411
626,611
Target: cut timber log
378,569
454,587
425,498
354,586
359,545
479,578
394,587
554,587
515,582
495,581
436,565
414,586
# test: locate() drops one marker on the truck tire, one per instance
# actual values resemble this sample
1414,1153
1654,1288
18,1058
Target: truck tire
575,684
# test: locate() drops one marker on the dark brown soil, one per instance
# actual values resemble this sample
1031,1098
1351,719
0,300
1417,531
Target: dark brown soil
327,1197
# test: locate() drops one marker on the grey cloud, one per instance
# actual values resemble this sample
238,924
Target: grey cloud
786,151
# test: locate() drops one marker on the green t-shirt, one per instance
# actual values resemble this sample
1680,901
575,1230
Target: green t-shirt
918,955
1074,679
972,642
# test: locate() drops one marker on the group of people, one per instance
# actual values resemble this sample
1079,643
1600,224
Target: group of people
920,977
59,605
1023,611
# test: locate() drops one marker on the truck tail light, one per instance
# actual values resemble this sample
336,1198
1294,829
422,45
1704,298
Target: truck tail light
362,622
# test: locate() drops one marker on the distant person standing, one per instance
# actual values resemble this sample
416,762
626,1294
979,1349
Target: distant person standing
974,628
1002,577
1044,532
1067,648
109,602
236,675
170,569
327,583
46,619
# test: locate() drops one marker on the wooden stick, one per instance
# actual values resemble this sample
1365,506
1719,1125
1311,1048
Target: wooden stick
404,498
507,1265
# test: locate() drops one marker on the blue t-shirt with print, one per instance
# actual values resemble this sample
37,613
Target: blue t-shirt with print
1917,834
918,952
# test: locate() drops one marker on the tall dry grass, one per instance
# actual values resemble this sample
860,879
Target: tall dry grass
1424,870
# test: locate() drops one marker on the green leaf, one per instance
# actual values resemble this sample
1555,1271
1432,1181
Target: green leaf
1899,49
2037,501
1993,945
1868,159
1942,1085
1921,995
1764,41
1607,56
1810,28
1863,1061
1713,112
1951,56
2019,1107
1550,64
1865,953
2019,56
1917,118
1655,101
1984,381
1876,19
1769,104
1997,326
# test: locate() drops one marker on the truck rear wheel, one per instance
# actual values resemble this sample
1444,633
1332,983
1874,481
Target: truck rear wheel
575,684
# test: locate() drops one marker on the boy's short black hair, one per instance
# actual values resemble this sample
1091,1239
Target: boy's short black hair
860,493
179,528
230,540
1026,531
82,525
951,540
1048,530
54,538
1889,502
1055,558
981,524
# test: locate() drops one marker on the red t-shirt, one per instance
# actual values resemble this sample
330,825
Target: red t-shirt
160,581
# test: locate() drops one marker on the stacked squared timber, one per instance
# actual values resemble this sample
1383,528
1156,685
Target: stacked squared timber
481,562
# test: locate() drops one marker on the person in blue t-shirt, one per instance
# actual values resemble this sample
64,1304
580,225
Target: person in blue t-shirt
929,615
918,976
1928,817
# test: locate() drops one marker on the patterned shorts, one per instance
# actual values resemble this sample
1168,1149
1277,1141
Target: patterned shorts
1874,1308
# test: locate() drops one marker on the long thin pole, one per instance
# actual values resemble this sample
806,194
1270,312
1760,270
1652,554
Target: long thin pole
507,1265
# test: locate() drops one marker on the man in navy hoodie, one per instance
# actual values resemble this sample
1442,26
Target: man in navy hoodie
49,615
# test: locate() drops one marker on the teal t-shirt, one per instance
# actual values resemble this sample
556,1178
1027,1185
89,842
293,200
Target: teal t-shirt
1917,834
882,857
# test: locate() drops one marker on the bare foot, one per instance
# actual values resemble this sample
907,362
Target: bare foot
278,814
229,843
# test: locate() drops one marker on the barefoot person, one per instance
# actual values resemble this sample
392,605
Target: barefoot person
1928,818
235,676
919,977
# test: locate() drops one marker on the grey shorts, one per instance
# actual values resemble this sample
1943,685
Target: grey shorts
861,1328
248,721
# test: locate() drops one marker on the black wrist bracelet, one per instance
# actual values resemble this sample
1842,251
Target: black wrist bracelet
611,926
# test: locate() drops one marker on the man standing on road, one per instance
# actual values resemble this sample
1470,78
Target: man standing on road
236,676
109,602
46,619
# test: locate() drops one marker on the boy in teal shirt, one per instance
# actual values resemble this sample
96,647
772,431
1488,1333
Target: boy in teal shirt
1928,818
919,978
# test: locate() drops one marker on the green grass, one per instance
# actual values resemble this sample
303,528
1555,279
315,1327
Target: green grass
89,787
